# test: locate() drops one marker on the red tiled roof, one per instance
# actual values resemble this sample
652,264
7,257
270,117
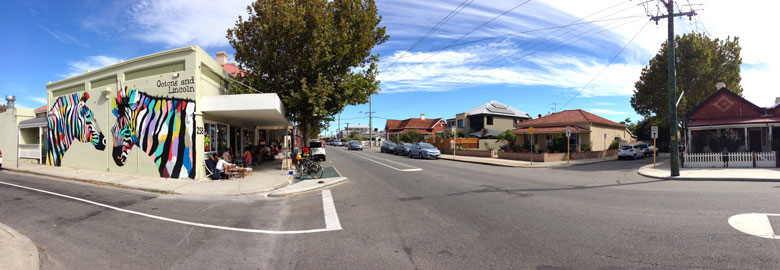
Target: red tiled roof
556,129
729,121
411,123
568,117
42,109
233,70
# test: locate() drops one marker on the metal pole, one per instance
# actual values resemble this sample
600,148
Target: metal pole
532,149
568,155
370,128
654,152
675,160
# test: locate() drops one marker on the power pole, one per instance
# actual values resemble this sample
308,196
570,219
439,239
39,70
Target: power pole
338,130
675,157
370,129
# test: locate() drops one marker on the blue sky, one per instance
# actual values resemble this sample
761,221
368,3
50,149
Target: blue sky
510,58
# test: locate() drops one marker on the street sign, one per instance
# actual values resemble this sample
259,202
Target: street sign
531,130
654,132
568,131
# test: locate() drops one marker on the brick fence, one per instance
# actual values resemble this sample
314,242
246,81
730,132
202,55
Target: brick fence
548,157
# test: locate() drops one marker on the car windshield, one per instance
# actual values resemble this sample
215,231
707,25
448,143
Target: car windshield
391,145
625,147
426,146
407,145
315,144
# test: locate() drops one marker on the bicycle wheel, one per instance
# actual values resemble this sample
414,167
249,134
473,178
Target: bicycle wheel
298,170
319,171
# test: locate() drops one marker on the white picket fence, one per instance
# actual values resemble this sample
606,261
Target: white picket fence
734,160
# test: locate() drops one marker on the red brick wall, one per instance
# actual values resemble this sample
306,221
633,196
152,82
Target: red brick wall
725,105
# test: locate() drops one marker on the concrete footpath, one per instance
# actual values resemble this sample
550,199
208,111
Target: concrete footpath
523,164
264,179
16,250
662,171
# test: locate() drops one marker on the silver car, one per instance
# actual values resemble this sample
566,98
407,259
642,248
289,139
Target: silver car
424,150
630,151
354,145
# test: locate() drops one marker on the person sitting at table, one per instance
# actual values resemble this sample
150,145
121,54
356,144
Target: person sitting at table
224,166
267,153
211,164
247,157
227,156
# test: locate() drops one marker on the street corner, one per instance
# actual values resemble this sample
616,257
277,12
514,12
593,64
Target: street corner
16,250
308,183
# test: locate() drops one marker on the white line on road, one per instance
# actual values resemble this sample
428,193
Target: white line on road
756,224
331,218
413,169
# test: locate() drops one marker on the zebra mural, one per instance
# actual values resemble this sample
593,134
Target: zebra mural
164,128
68,120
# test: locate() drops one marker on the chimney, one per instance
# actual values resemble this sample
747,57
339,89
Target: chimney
777,100
422,116
221,58
720,85
10,102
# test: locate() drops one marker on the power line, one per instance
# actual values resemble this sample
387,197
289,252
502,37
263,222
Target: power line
608,64
434,29
464,35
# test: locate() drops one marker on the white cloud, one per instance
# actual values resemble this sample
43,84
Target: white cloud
38,99
63,37
184,22
91,63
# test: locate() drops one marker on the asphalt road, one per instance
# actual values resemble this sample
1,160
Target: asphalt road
401,213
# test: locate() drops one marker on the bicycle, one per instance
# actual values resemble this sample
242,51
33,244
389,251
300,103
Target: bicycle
309,167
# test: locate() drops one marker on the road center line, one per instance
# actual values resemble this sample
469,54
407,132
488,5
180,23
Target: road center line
331,218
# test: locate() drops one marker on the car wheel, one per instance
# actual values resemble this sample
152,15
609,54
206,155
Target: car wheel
420,155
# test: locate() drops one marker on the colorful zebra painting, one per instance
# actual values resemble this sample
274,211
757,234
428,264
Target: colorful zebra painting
164,128
68,120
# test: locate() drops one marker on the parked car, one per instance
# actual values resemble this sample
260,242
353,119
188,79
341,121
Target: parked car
388,147
403,149
630,151
354,145
317,150
424,150
1,159
646,149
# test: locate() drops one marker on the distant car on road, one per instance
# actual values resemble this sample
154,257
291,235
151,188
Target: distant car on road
317,150
403,149
630,151
646,149
424,150
354,145
388,147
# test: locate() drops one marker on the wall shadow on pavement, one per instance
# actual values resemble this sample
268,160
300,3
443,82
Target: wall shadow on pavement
611,166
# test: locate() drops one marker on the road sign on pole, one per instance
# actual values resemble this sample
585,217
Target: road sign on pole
654,132
531,131
568,131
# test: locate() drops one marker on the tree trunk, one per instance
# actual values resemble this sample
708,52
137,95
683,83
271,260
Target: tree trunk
305,133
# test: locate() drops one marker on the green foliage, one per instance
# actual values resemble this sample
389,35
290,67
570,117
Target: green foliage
412,136
487,145
614,145
508,138
315,54
586,147
354,135
559,143
702,62
776,144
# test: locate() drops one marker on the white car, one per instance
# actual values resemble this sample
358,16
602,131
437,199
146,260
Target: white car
646,149
630,151
317,150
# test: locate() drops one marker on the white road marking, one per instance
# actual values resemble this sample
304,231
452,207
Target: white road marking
331,218
756,224
413,169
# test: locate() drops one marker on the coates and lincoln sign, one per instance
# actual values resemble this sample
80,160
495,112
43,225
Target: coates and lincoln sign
178,86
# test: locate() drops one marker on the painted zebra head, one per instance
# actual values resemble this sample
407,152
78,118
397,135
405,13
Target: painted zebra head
124,138
90,131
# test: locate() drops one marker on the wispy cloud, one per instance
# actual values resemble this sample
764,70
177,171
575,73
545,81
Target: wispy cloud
90,63
38,99
64,37
184,22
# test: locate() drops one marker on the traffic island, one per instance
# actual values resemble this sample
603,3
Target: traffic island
16,250
305,184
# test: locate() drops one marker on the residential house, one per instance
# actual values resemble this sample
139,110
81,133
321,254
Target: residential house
488,119
420,125
586,129
727,122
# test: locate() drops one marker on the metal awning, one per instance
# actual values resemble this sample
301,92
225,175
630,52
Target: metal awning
34,123
263,110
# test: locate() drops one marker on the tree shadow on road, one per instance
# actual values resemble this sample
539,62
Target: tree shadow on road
520,192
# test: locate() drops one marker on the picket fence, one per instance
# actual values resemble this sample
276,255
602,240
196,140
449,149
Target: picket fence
731,160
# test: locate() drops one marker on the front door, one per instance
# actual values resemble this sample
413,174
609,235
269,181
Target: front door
754,140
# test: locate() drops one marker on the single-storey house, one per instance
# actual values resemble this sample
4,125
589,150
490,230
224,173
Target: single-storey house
586,129
421,125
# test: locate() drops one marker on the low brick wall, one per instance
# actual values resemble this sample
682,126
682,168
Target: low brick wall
547,157
473,153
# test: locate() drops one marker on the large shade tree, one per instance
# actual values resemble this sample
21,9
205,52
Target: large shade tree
701,63
315,54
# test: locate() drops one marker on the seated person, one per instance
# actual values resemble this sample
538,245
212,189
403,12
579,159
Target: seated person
227,156
247,157
224,166
211,164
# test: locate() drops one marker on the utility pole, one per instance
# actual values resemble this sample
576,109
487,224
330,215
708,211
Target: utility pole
338,130
675,157
370,129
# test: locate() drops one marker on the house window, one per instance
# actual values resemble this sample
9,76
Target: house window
460,123
490,120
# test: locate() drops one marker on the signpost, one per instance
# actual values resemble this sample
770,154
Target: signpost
568,140
531,131
654,135
454,140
